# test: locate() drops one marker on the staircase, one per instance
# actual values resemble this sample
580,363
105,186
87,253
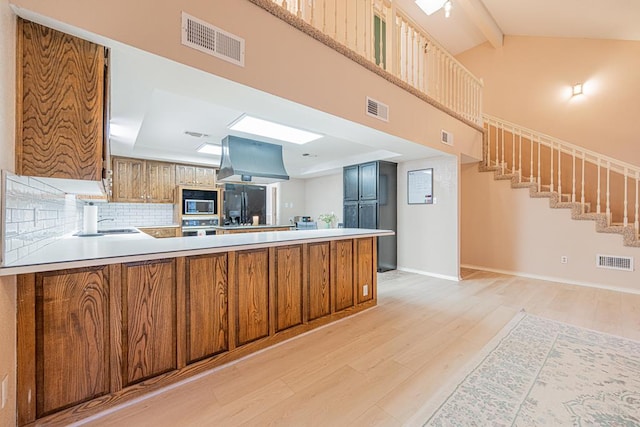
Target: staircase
595,187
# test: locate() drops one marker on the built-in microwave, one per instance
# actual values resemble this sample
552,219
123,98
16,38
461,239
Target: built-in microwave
199,207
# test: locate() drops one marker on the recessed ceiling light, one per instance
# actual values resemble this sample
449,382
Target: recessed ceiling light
273,130
213,149
430,6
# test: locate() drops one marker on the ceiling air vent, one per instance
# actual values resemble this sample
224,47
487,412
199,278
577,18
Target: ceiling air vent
446,137
377,109
624,263
211,40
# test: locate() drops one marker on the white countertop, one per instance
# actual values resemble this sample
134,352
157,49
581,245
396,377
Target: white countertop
76,252
248,227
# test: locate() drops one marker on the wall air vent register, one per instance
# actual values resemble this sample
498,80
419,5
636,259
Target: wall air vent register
610,262
377,109
202,36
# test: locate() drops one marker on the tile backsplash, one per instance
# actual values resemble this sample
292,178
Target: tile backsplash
134,214
36,214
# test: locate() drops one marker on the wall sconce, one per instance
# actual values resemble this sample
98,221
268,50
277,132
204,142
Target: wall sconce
576,89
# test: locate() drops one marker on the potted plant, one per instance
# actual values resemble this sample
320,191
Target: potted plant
328,219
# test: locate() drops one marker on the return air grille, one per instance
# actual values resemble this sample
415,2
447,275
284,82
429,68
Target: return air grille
614,262
211,40
446,137
377,109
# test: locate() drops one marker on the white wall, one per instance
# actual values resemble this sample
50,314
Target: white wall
7,136
504,229
291,200
428,234
324,195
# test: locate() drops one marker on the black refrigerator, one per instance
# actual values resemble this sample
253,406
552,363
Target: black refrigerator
243,202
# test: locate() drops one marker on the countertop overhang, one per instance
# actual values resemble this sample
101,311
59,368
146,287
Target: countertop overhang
91,251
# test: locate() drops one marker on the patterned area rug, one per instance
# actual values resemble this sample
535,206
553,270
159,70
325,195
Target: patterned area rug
539,372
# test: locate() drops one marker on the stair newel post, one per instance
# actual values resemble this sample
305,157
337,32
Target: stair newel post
626,197
582,189
560,172
538,178
531,158
497,138
598,195
502,143
551,172
520,156
513,150
573,172
487,159
608,205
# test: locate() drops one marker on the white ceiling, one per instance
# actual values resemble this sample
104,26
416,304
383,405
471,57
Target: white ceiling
154,101
593,19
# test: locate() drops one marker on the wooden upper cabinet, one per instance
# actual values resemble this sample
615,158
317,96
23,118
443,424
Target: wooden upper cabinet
142,181
199,176
185,175
61,101
161,182
128,180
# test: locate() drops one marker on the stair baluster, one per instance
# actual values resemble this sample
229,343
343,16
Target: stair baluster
608,207
598,210
520,156
626,197
531,159
559,172
551,180
502,143
539,179
573,171
582,186
636,223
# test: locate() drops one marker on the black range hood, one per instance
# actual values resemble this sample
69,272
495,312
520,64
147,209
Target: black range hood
247,160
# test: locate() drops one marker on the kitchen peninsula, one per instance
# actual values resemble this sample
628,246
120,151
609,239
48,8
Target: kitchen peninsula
104,320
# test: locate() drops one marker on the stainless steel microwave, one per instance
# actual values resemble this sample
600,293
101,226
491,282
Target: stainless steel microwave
199,207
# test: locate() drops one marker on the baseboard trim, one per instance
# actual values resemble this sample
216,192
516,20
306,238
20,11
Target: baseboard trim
426,273
552,279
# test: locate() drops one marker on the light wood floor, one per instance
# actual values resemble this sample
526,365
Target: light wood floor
379,367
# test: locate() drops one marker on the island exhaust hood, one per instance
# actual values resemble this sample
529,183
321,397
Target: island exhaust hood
246,160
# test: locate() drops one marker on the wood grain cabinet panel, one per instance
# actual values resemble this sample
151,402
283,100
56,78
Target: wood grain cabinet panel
207,313
205,177
160,182
128,180
319,279
149,319
365,269
288,286
61,99
63,324
160,232
252,295
185,175
344,275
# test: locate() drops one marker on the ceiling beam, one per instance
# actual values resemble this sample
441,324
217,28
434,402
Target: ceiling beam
482,19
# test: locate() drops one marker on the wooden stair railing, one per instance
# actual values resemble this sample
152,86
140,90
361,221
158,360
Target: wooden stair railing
594,186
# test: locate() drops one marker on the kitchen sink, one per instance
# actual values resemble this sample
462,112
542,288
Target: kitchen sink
108,231
118,231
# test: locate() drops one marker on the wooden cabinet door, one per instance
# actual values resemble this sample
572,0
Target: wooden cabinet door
344,274
351,214
148,319
251,295
207,313
288,286
60,104
368,215
161,182
128,180
63,340
160,232
185,175
205,177
350,183
365,269
319,280
368,181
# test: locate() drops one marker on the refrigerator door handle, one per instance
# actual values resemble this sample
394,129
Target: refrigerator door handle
245,208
